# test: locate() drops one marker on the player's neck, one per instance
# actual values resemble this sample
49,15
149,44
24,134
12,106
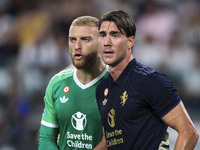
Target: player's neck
88,74
115,71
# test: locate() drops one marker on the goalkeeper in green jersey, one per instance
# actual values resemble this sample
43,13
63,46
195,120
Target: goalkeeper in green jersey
70,104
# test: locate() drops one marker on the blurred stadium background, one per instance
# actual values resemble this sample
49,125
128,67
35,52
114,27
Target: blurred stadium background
33,47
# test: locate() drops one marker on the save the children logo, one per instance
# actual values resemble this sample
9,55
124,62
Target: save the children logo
79,121
113,136
111,118
79,140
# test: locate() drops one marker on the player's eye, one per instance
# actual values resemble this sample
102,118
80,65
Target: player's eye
115,36
86,39
72,39
102,35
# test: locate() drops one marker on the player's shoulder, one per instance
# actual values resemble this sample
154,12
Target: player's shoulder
143,69
146,73
66,73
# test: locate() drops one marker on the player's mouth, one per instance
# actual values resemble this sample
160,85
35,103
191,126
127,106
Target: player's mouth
108,52
78,56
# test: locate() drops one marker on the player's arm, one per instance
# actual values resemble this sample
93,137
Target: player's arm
48,138
102,145
179,120
49,128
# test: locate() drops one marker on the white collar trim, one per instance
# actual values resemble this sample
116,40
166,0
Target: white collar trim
84,86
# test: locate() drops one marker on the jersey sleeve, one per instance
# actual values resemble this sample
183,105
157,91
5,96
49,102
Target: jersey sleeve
48,132
160,94
48,138
49,117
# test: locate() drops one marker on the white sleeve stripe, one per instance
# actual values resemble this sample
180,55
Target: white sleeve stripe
51,125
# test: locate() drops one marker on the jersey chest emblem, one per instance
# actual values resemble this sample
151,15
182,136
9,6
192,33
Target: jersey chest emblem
79,121
63,99
111,118
66,89
104,101
124,98
106,92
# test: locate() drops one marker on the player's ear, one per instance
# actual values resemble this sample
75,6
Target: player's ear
131,41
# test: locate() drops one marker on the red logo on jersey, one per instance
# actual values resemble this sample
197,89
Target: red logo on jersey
106,92
66,89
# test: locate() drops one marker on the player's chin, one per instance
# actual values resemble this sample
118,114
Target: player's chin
108,60
78,63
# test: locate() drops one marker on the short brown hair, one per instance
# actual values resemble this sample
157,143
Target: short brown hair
122,20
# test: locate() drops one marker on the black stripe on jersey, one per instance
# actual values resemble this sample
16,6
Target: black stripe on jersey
143,69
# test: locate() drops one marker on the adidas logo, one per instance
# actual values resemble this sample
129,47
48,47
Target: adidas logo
63,99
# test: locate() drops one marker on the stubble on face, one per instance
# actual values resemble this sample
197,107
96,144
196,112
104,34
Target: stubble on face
86,62
85,54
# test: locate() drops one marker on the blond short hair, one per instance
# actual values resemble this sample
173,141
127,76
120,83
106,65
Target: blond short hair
86,21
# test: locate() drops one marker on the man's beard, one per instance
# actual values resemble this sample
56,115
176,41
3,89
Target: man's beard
86,61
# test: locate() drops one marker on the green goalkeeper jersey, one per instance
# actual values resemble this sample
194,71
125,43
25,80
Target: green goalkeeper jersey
71,109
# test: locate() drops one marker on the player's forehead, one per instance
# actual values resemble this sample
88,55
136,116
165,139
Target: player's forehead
109,27
82,31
